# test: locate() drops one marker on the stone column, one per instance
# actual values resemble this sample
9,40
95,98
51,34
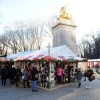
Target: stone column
64,34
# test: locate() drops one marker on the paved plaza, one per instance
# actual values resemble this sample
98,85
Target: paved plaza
70,92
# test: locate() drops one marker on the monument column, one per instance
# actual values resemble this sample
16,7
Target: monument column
64,31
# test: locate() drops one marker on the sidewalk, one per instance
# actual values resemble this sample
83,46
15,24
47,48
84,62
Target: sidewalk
70,92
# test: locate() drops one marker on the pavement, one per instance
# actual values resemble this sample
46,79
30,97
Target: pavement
69,92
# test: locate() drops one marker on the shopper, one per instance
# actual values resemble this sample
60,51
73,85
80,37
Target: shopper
78,76
88,73
35,74
3,75
69,73
12,74
25,77
18,76
65,74
59,74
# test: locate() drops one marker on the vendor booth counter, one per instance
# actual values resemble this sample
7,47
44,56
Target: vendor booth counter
48,78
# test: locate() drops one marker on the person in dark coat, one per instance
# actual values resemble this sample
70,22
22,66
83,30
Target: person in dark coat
18,76
3,75
34,79
88,73
69,73
12,74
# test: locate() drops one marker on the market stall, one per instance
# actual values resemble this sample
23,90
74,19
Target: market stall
48,61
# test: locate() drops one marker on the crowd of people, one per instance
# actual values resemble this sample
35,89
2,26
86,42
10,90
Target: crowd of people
33,75
63,73
16,74
88,76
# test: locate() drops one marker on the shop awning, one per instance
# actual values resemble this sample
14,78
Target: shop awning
49,58
62,53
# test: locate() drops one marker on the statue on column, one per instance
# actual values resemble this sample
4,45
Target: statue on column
64,14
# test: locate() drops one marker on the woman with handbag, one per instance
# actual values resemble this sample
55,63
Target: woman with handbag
88,74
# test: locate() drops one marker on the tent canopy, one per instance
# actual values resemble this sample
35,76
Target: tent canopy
57,53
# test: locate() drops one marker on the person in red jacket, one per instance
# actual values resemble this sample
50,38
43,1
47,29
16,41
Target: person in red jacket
59,74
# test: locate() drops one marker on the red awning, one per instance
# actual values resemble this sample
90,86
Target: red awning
19,59
85,59
63,58
38,57
27,58
49,58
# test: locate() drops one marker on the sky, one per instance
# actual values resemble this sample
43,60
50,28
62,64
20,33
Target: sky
85,13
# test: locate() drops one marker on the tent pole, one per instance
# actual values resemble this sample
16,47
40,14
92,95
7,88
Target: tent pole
48,48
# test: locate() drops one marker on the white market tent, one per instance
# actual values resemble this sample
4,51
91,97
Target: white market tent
59,53
20,54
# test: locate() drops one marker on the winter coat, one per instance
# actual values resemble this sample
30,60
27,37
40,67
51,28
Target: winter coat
78,75
89,73
18,75
34,74
3,73
59,72
12,72
25,74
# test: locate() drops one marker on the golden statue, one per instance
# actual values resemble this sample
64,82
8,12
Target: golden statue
64,14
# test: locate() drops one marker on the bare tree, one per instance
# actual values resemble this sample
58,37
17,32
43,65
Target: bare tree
3,44
2,49
24,35
20,31
30,38
90,46
49,24
11,38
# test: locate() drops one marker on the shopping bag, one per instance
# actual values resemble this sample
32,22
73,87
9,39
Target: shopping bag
36,76
92,77
23,77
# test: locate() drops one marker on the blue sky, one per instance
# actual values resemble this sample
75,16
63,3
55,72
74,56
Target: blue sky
85,13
